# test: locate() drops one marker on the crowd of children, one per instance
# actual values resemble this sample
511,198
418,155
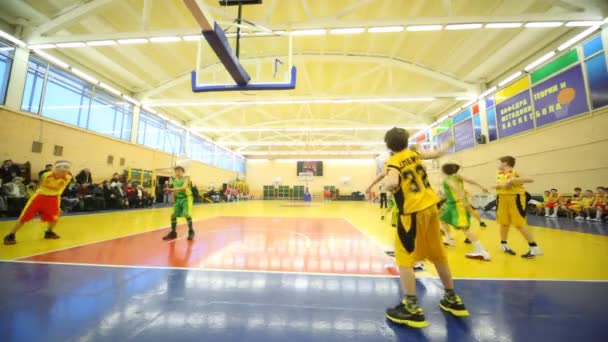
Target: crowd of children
581,205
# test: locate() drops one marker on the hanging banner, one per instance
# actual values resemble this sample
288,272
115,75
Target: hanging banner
514,115
443,138
560,97
464,135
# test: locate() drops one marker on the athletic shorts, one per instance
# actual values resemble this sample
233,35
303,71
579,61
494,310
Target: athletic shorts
46,206
456,215
418,238
183,207
511,210
550,204
601,206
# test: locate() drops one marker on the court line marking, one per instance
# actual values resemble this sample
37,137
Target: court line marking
104,240
389,276
306,237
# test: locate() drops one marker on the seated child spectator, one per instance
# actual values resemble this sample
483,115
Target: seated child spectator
47,168
574,201
551,202
585,208
599,204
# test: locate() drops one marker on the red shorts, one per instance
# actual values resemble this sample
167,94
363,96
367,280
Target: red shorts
568,205
550,204
46,206
601,206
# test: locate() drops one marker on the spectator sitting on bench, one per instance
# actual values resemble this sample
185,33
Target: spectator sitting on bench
47,168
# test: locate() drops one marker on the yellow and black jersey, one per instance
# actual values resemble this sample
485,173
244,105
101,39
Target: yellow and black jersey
415,192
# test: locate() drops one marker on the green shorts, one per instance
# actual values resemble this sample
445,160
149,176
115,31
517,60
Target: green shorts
456,215
182,207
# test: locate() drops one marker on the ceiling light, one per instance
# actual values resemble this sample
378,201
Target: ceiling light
539,61
584,23
424,28
84,76
130,99
487,92
12,39
504,25
192,38
464,98
352,30
109,88
445,117
101,43
52,59
545,24
509,79
463,26
382,29
149,110
577,38
41,46
315,32
303,129
165,39
289,102
468,104
133,41
71,45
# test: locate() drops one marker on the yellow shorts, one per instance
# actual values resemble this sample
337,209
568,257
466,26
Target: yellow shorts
511,210
418,238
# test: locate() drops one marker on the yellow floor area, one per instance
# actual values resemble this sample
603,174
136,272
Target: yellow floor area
568,255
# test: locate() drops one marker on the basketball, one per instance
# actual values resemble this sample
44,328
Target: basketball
566,96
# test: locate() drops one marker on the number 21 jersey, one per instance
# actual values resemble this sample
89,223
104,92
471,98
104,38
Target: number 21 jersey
415,192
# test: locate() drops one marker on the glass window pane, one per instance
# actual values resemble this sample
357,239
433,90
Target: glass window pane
65,97
34,81
126,126
6,61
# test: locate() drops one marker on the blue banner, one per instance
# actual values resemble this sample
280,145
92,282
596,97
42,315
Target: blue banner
597,75
464,135
462,116
560,97
492,130
442,139
514,115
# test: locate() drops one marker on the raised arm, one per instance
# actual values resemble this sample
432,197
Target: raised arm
472,182
458,191
376,181
392,180
437,153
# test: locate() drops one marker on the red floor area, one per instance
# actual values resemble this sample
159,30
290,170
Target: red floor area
244,243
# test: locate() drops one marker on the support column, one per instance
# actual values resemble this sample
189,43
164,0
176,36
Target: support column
135,124
605,42
16,82
187,145
483,118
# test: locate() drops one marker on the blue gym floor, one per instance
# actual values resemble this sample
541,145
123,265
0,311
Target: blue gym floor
53,302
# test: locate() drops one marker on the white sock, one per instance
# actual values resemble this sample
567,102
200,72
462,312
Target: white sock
598,214
477,247
546,211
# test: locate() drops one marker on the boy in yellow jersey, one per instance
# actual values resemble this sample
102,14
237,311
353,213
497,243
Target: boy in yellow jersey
574,204
455,213
599,203
511,206
45,201
586,205
181,187
418,235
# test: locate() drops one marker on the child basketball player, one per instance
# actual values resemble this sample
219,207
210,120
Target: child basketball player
181,188
454,212
45,201
418,236
511,206
552,202
574,202
599,204
394,214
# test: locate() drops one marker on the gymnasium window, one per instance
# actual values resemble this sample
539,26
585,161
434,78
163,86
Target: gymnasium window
6,61
59,95
159,135
32,94
201,150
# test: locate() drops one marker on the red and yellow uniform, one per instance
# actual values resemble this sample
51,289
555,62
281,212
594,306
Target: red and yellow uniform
585,203
47,198
551,201
600,201
418,235
575,201
510,201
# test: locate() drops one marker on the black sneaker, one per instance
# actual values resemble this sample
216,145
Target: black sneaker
454,306
190,235
483,224
390,253
413,317
172,235
467,241
51,235
10,239
508,250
